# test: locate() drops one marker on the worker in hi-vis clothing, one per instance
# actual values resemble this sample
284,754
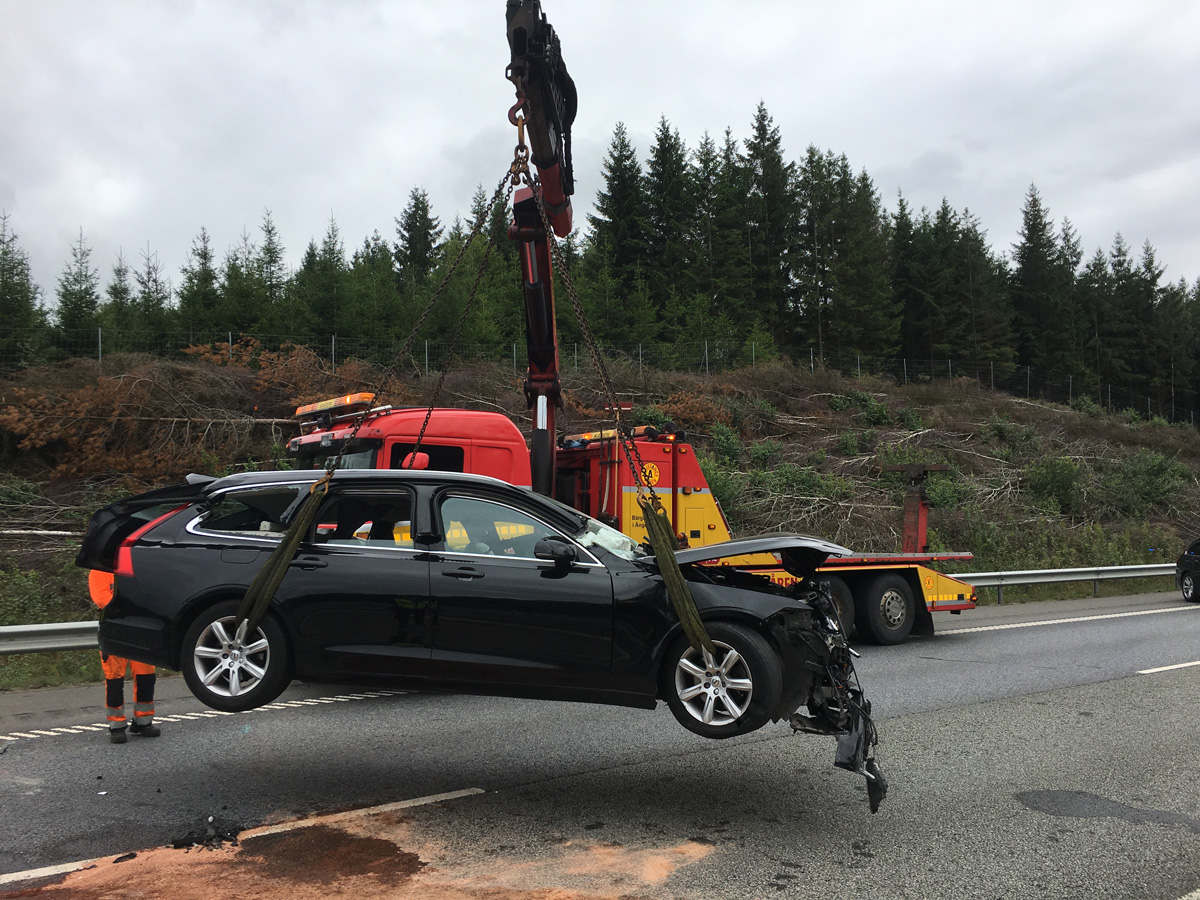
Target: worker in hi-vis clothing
100,586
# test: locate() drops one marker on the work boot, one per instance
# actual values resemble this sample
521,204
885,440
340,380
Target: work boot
117,736
147,730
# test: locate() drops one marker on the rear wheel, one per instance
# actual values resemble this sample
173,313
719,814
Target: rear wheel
1187,586
886,609
232,670
730,692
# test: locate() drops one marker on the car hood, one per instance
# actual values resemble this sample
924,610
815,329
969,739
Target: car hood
799,554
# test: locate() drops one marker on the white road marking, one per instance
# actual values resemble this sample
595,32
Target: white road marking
60,730
358,813
47,871
1168,669
1144,612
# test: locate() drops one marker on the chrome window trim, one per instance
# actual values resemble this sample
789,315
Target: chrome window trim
193,527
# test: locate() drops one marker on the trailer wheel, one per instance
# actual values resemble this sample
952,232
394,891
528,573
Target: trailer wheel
886,609
843,599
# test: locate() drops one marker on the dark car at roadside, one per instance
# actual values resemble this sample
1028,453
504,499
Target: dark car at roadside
1187,572
442,581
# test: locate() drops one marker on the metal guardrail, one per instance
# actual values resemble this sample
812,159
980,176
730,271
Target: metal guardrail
54,636
82,635
998,580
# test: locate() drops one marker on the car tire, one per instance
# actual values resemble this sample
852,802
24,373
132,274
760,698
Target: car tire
1187,586
886,610
843,599
736,689
229,674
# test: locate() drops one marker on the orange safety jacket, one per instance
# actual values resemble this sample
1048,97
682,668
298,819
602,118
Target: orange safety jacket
101,587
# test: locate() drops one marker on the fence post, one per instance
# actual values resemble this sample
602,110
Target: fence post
905,361
949,368
859,358
427,358
514,356
1028,375
706,371
752,360
576,356
992,366
333,352
99,345
812,366
231,345
999,594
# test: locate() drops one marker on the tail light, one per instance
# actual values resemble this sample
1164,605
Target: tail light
124,564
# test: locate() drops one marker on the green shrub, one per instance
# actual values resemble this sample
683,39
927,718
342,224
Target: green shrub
1053,483
1004,431
944,492
762,452
1139,483
910,420
726,443
847,444
1084,404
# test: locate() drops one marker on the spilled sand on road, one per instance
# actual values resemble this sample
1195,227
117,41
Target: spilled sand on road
377,856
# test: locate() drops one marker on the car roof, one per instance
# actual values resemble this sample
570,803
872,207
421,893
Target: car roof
377,477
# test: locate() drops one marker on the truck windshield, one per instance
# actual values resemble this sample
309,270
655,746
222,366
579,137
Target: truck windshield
359,455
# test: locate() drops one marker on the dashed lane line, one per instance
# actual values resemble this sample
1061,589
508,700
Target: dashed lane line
65,868
59,731
1124,615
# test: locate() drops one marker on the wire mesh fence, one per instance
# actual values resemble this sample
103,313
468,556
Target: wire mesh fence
1169,401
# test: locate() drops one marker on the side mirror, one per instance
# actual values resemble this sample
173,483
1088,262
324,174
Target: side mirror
415,461
555,550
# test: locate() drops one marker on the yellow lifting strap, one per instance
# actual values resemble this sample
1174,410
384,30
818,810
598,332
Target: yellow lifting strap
663,542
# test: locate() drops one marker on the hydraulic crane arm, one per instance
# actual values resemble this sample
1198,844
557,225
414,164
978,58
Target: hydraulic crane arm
546,95
547,102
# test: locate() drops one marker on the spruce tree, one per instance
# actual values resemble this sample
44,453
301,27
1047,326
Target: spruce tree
772,215
199,293
619,223
78,297
19,300
418,241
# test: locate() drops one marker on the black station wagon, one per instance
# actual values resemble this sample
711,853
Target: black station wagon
442,581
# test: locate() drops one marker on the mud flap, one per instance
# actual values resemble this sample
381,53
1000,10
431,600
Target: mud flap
851,755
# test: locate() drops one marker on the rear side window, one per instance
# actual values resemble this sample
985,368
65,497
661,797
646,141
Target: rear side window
377,519
255,511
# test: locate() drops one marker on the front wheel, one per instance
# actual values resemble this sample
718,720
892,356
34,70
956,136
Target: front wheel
730,692
1187,586
227,668
887,610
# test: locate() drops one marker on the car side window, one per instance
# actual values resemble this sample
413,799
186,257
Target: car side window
1194,550
262,512
474,525
367,520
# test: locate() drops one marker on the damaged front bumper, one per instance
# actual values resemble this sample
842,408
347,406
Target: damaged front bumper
821,677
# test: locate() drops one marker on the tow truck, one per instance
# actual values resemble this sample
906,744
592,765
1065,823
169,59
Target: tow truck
591,471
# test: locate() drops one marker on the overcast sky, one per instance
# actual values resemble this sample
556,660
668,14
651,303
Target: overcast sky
142,122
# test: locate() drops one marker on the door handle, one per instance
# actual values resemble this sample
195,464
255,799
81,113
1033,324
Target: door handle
462,572
309,563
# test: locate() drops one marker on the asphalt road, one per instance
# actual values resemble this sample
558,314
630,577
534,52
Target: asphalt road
1027,758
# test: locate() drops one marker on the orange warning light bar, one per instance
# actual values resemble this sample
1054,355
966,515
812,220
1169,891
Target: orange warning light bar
360,400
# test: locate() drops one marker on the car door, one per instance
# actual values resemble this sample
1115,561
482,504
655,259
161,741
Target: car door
356,596
505,617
